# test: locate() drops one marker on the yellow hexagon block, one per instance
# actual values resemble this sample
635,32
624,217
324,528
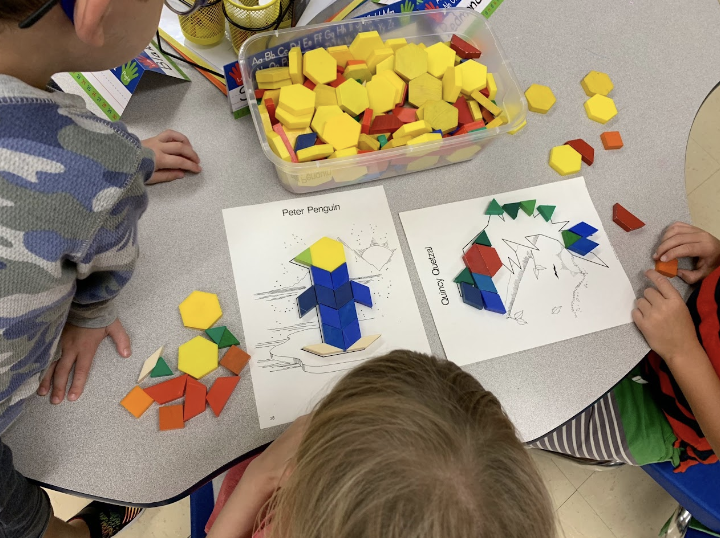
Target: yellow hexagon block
474,107
200,310
452,84
410,61
388,64
314,153
463,154
413,129
327,253
396,142
565,160
540,98
440,57
352,97
600,108
422,139
364,44
297,99
198,357
347,152
398,83
272,74
293,121
342,132
368,143
295,65
595,83
424,88
396,43
341,53
322,114
377,56
358,72
319,66
474,76
381,95
441,115
423,163
324,95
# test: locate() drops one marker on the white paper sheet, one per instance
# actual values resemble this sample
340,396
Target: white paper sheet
550,293
263,240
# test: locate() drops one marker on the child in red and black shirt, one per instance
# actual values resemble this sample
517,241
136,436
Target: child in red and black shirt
668,407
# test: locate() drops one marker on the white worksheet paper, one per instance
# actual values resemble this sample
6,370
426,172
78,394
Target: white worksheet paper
263,240
550,293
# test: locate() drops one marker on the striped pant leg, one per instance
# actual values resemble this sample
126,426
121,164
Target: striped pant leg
596,434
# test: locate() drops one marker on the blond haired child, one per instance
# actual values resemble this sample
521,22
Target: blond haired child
72,188
405,445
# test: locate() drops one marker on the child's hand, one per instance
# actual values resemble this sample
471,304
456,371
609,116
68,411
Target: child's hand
684,241
664,319
173,156
78,347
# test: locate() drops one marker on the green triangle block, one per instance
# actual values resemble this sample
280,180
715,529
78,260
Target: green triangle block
528,206
304,257
546,211
216,334
494,208
465,276
512,209
483,239
228,339
161,369
569,238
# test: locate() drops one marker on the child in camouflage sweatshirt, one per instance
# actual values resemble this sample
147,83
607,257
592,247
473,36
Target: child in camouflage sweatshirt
72,188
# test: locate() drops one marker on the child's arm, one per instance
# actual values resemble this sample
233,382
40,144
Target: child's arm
173,156
103,267
263,476
684,241
664,319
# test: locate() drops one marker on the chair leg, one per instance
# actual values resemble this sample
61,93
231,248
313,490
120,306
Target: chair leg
678,525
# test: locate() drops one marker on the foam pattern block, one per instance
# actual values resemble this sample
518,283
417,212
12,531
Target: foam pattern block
137,402
235,359
471,296
330,316
325,296
343,294
465,276
171,417
361,294
484,283
220,393
339,276
493,302
195,394
321,277
348,314
583,229
307,301
583,246
333,336
169,390
351,334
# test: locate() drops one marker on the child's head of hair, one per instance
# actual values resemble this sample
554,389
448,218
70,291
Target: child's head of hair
410,446
106,33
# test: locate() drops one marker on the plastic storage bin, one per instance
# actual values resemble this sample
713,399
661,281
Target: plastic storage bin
270,49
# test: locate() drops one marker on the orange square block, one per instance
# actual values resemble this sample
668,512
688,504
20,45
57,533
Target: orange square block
171,418
137,401
235,359
611,140
668,269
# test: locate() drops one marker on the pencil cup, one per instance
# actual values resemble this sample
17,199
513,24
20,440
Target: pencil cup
250,16
206,26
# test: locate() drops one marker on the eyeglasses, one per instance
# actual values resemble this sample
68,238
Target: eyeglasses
180,7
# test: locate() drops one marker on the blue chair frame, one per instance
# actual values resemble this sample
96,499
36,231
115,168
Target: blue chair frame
697,490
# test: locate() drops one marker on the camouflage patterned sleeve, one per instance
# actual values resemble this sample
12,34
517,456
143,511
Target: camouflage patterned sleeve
108,263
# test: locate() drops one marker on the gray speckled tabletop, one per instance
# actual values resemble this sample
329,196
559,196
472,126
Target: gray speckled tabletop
663,62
